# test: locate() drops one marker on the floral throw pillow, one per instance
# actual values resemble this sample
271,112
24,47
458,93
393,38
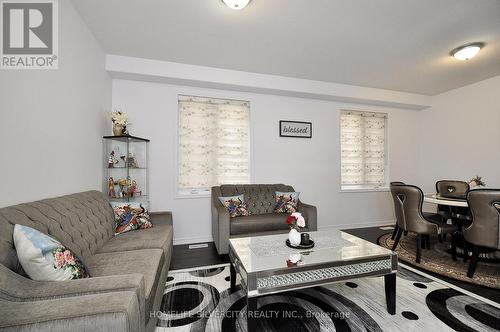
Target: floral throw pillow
286,202
44,258
131,216
235,205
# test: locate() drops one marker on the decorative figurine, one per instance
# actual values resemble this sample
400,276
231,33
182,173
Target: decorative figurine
112,161
133,189
123,187
111,188
132,161
129,184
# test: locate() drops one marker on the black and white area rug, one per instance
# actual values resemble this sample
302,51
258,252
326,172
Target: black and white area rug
199,300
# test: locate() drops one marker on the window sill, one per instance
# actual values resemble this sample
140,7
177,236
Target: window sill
364,189
186,194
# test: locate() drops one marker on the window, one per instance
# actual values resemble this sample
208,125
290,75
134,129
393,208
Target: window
214,144
363,150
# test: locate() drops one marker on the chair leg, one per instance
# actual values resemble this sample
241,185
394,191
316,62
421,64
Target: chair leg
393,236
473,262
426,241
419,248
398,237
454,237
466,251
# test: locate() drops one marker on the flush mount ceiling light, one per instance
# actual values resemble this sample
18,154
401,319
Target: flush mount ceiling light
236,4
467,52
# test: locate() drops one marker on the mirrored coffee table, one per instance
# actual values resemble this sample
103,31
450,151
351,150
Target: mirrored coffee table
267,266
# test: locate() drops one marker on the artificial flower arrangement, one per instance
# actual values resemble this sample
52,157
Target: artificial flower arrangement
119,118
294,221
120,122
476,182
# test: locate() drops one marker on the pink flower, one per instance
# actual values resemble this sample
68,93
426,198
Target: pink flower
59,258
301,222
68,257
472,184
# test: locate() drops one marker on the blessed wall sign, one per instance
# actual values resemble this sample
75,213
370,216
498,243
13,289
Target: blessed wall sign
295,129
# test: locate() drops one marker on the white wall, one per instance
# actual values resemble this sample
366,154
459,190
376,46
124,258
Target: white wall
52,121
312,166
460,135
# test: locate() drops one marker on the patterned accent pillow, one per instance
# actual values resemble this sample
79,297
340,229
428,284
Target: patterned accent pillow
235,205
44,258
286,202
131,216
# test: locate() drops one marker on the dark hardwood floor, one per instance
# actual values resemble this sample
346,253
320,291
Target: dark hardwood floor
184,258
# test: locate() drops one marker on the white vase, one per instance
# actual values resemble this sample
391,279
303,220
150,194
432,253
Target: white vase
294,237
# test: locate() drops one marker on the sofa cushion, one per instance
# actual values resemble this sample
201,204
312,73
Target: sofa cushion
131,216
286,202
45,258
148,262
235,205
158,237
260,198
258,223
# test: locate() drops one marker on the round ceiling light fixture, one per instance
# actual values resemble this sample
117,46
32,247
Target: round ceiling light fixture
467,52
236,4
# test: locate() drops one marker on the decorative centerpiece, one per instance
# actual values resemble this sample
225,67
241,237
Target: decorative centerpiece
120,122
295,238
294,221
476,182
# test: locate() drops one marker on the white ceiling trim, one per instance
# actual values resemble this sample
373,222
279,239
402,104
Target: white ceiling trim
208,77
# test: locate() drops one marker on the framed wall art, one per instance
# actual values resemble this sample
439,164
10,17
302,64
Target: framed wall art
295,129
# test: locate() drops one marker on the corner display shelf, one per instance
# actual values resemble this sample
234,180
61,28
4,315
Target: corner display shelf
126,169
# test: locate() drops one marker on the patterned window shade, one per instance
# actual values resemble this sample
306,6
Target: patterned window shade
363,148
214,145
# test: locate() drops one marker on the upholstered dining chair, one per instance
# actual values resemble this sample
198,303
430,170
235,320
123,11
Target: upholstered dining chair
398,211
453,189
483,234
409,200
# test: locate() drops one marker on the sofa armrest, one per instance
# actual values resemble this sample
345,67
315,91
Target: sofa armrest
161,217
118,311
16,288
310,213
220,223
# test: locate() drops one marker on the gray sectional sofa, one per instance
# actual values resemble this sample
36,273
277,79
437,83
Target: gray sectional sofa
128,271
262,221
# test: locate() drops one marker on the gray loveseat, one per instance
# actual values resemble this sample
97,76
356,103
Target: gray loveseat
128,271
263,220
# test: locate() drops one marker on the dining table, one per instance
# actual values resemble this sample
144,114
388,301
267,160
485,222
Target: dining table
440,200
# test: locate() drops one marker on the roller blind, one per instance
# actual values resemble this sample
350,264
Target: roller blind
363,148
213,143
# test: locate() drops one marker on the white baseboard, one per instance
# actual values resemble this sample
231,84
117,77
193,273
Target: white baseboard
191,240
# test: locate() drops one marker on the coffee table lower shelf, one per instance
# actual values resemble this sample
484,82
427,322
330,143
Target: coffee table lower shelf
283,281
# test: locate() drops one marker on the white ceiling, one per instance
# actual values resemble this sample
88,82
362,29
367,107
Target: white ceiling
392,44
